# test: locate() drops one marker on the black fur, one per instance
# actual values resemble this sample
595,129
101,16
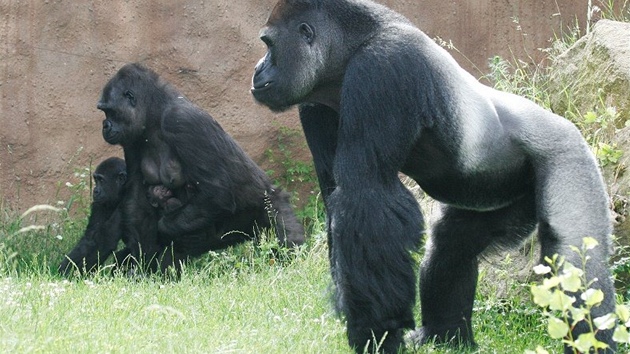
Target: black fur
377,96
104,230
175,150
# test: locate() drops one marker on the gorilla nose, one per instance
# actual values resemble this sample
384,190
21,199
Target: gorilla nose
107,124
102,105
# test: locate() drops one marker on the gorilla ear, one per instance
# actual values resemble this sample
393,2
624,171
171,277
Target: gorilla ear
130,96
122,177
307,32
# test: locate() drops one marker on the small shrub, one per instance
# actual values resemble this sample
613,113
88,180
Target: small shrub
554,295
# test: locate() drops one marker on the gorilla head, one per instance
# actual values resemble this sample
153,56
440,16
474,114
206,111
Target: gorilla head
109,179
299,65
124,102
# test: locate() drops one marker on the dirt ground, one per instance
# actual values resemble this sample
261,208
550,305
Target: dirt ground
55,56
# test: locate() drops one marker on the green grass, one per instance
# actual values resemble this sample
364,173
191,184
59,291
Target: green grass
244,299
279,308
254,308
240,300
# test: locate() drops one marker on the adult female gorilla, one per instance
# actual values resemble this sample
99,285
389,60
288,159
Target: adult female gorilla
174,149
377,96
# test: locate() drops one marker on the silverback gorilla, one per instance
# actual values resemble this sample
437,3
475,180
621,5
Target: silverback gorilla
377,96
173,149
104,225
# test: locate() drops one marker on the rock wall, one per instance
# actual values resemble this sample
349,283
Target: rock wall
55,56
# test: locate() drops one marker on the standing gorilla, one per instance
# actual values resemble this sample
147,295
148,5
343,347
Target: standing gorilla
377,96
190,187
104,226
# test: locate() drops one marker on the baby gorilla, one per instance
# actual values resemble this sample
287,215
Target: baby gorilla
104,226
167,199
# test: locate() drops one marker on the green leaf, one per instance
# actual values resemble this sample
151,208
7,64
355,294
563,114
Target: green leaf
586,341
623,313
571,278
578,314
557,328
541,295
550,283
590,117
605,322
592,297
621,335
589,243
542,269
560,301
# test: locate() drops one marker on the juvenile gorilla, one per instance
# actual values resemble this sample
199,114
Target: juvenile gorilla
190,187
377,96
104,225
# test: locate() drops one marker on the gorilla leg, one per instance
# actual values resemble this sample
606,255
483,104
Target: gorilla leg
374,231
448,277
582,212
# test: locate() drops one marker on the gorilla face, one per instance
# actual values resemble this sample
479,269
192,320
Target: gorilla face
290,71
124,115
109,179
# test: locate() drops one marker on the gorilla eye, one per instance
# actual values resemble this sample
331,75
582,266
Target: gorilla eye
307,32
130,96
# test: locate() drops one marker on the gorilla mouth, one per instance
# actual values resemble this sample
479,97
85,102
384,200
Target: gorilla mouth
111,138
262,87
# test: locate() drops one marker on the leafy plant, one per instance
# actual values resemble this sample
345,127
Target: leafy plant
37,239
563,311
621,270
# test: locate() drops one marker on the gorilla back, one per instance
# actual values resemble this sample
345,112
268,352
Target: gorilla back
174,149
377,96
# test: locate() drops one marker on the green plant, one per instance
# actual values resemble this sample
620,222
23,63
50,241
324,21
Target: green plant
621,270
37,239
296,175
608,154
616,10
519,77
563,311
